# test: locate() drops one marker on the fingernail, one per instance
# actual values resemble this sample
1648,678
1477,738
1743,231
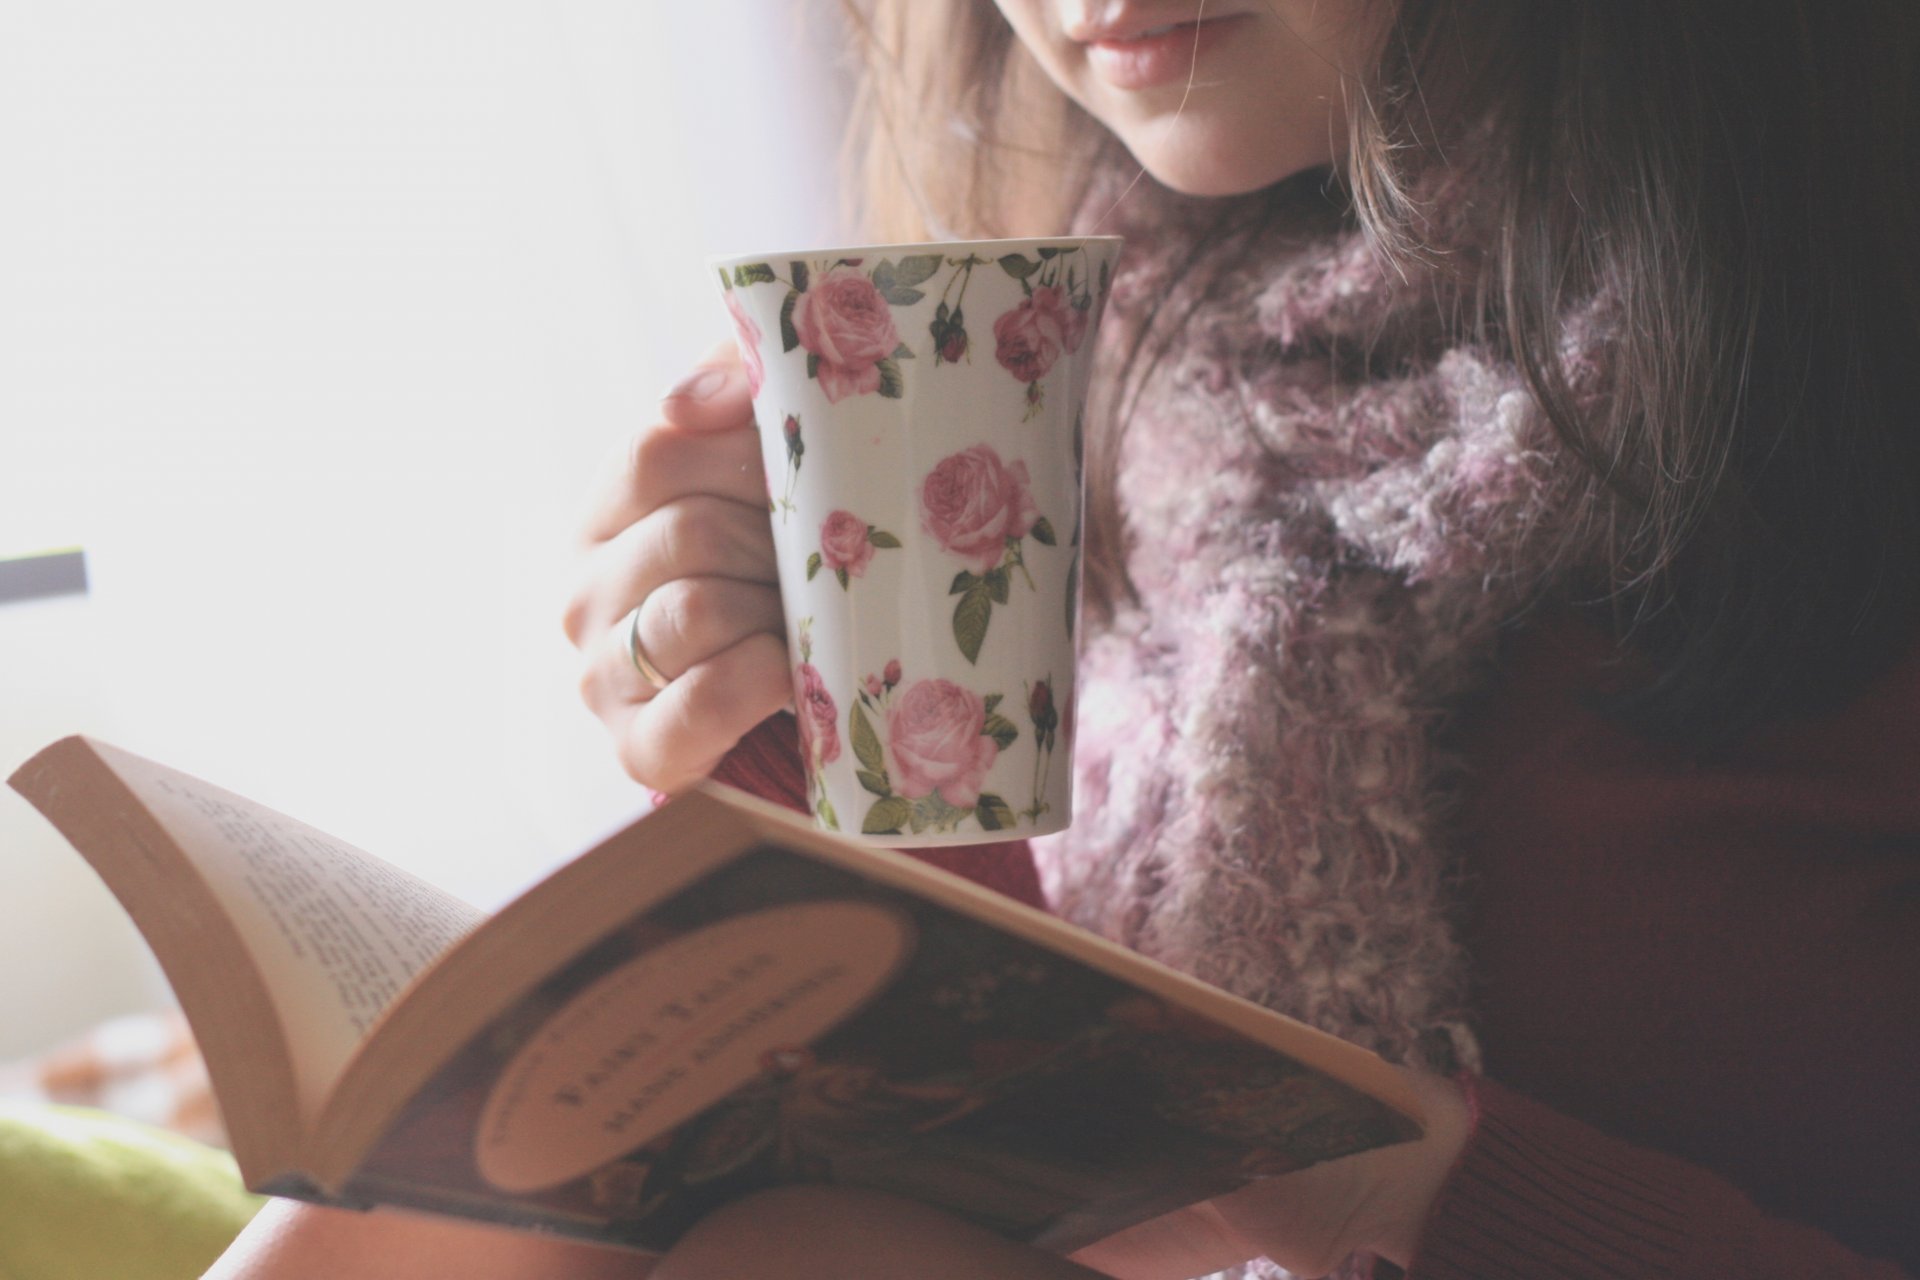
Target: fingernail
697,385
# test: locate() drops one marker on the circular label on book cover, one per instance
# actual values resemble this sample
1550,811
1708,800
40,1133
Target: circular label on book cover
660,1038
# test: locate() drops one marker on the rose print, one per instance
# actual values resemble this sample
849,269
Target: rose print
973,504
818,722
819,718
878,686
844,544
980,509
936,742
746,336
941,741
1050,321
841,314
847,544
1033,335
949,327
847,329
1040,707
952,346
843,318
1019,348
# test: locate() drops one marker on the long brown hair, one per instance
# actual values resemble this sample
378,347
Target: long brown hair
1741,176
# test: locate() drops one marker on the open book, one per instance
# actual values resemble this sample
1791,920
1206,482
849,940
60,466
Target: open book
715,1000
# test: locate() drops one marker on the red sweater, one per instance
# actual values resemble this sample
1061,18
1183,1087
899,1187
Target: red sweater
1696,986
1718,962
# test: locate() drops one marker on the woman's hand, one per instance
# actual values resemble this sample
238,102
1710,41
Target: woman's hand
679,532
1308,1222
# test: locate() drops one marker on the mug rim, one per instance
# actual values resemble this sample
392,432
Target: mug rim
1004,245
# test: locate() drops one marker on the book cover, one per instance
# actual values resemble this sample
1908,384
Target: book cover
783,1020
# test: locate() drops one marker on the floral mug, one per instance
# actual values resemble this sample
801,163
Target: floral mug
920,409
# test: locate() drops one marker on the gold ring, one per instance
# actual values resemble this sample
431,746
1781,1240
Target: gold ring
631,642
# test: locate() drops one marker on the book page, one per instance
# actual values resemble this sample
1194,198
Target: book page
336,932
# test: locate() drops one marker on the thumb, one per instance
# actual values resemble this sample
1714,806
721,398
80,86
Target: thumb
713,397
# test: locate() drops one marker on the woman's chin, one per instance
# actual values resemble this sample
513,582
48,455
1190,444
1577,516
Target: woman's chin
1196,172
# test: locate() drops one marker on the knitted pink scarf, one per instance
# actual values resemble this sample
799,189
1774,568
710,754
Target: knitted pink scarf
1331,514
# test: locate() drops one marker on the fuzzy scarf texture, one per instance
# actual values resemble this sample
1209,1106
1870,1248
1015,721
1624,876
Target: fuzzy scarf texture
1332,513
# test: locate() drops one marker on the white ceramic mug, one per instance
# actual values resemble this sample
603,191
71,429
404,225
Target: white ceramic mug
920,409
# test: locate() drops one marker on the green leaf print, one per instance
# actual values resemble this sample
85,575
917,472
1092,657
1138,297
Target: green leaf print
1018,266
1002,730
866,744
917,268
886,817
789,336
998,582
970,618
993,813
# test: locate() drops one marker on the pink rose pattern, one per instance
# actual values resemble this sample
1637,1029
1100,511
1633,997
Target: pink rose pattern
937,744
847,329
974,505
847,544
844,545
819,718
941,738
1029,338
981,509
842,316
819,726
1051,320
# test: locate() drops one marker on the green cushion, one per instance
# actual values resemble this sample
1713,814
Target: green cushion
86,1194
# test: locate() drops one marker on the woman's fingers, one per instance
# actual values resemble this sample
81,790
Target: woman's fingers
678,611
686,621
700,571
703,443
698,536
714,397
677,736
664,462
679,626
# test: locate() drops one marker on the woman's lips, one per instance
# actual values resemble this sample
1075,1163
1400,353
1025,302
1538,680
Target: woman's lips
1160,56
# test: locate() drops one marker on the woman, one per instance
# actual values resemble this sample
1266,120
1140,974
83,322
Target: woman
1502,548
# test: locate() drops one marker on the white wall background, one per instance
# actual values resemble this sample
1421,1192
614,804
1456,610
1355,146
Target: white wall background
315,322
